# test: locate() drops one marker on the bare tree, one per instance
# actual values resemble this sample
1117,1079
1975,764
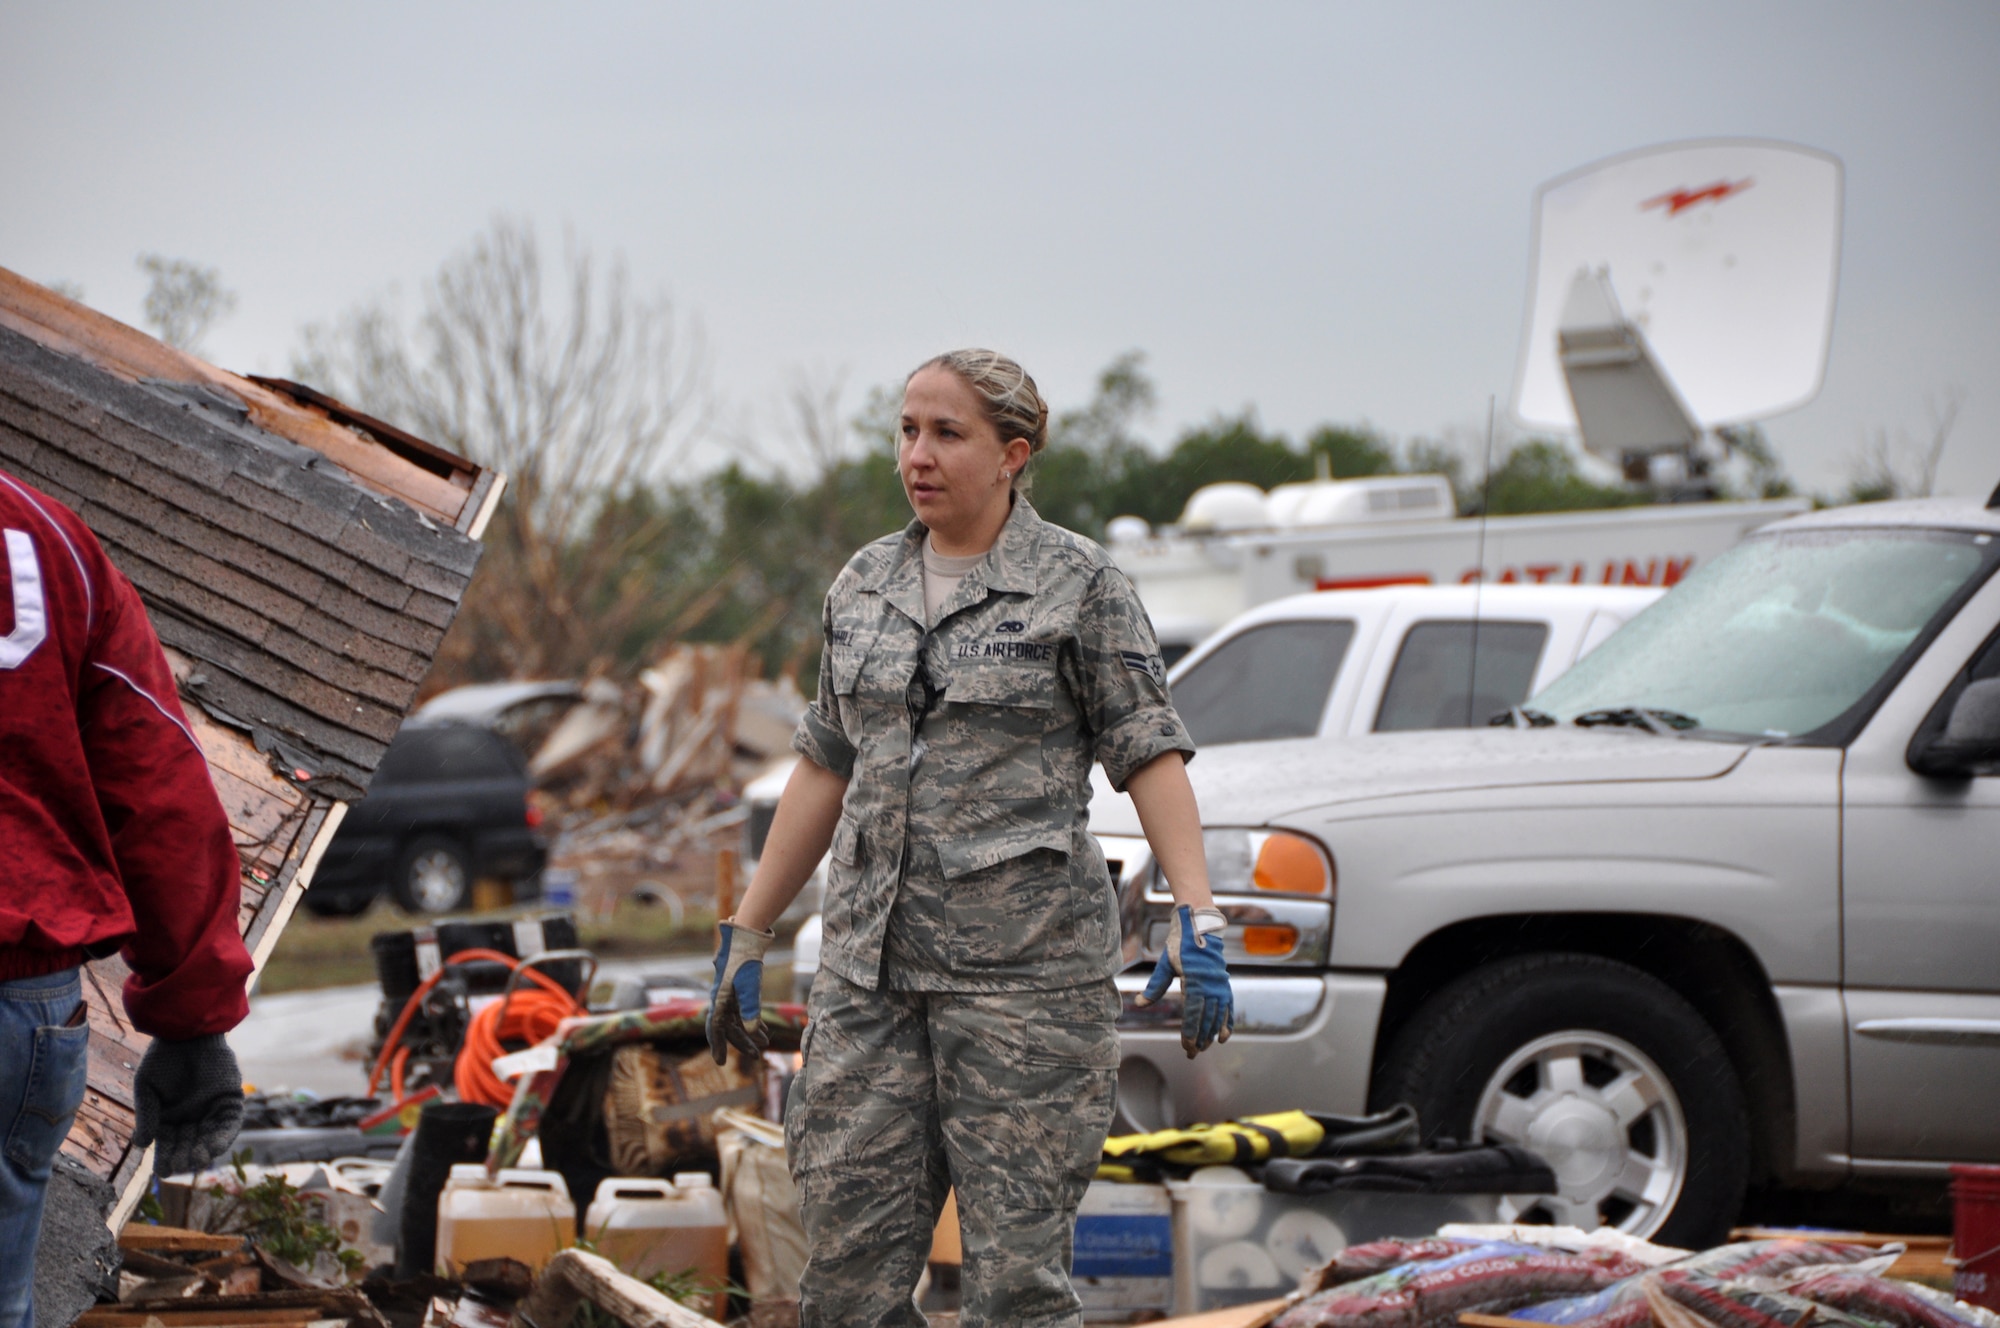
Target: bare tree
1905,467
184,301
580,390
819,429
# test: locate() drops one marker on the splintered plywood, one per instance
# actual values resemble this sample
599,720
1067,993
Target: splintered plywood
429,479
312,604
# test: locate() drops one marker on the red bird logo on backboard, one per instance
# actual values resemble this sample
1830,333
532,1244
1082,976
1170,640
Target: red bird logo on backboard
1680,200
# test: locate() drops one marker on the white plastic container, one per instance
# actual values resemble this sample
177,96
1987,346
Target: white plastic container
646,1226
1124,1252
518,1214
1237,1242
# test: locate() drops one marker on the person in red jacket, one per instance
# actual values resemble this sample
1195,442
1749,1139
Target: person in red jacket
111,839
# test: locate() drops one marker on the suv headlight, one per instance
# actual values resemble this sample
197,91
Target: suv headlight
1275,887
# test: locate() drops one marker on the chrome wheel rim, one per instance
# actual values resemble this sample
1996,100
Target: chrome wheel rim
1604,1118
437,880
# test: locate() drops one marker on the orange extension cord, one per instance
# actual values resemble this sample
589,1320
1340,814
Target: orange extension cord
531,1015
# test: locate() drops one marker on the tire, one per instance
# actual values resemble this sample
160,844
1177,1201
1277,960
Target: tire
433,876
1605,1071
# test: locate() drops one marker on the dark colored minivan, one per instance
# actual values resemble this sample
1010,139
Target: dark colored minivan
449,804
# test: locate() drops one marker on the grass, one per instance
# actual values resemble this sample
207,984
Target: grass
333,952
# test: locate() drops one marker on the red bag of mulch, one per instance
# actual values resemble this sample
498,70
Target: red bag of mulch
1772,1258
1486,1279
1682,1299
1624,1305
1379,1256
1886,1300
1620,1305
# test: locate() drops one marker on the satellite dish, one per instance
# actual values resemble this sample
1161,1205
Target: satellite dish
1709,267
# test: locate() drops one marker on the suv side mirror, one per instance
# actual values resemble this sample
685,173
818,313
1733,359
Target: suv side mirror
1971,737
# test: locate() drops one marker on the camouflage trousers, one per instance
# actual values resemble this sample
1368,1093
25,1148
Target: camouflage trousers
1005,1097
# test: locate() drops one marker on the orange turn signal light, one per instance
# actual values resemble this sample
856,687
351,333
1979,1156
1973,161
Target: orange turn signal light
1270,942
1291,865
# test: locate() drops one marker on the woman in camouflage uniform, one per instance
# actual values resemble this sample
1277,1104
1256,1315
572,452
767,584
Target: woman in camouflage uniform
962,1023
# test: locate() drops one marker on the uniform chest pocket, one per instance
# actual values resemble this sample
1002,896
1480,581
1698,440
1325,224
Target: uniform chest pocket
998,715
1003,684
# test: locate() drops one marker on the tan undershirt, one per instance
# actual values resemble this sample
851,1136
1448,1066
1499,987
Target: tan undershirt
941,577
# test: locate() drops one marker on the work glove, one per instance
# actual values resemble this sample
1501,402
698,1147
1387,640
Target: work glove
1208,1010
189,1098
735,1006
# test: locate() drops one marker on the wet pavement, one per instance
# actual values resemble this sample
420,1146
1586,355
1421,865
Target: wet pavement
316,1039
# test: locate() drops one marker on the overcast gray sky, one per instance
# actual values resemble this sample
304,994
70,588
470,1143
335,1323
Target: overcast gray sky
1318,210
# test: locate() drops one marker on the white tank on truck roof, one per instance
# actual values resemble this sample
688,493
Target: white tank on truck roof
1225,507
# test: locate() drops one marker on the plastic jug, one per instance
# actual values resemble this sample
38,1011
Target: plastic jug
518,1214
647,1226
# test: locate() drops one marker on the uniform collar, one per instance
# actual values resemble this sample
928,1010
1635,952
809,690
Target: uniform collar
1009,565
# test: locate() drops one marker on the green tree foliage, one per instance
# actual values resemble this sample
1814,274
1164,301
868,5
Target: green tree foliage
1767,478
1541,476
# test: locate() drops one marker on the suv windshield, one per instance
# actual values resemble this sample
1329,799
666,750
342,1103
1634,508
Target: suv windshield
1780,636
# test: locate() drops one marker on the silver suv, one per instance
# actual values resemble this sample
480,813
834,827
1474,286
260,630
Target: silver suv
1720,903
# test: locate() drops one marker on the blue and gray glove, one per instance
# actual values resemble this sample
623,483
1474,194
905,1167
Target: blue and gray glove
735,1006
1194,955
188,1096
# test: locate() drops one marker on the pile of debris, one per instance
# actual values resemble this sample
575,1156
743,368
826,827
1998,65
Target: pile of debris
177,1278
630,775
698,718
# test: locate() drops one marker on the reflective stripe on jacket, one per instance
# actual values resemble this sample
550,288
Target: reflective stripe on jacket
970,866
111,833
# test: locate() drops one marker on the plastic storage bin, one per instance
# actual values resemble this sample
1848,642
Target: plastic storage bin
518,1214
1236,1242
646,1226
1124,1252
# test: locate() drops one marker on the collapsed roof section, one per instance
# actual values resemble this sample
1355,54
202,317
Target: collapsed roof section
305,557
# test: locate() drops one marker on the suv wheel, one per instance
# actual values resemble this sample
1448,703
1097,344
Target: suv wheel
434,876
1604,1071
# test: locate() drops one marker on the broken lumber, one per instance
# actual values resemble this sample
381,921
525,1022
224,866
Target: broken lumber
176,1240
137,1316
574,1277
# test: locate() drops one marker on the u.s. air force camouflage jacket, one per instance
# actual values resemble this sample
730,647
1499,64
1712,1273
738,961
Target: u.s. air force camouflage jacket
961,861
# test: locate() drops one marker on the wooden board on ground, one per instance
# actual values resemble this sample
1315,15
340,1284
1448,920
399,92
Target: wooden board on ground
177,1239
1840,1237
1254,1315
194,1317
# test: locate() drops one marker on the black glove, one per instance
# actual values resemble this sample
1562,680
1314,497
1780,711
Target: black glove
189,1097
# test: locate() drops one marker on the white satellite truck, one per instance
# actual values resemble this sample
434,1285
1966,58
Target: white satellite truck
1658,316
1237,547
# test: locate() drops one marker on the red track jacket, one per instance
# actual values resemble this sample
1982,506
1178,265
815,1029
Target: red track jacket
110,830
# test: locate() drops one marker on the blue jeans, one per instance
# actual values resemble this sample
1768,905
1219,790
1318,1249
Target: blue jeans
44,1044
